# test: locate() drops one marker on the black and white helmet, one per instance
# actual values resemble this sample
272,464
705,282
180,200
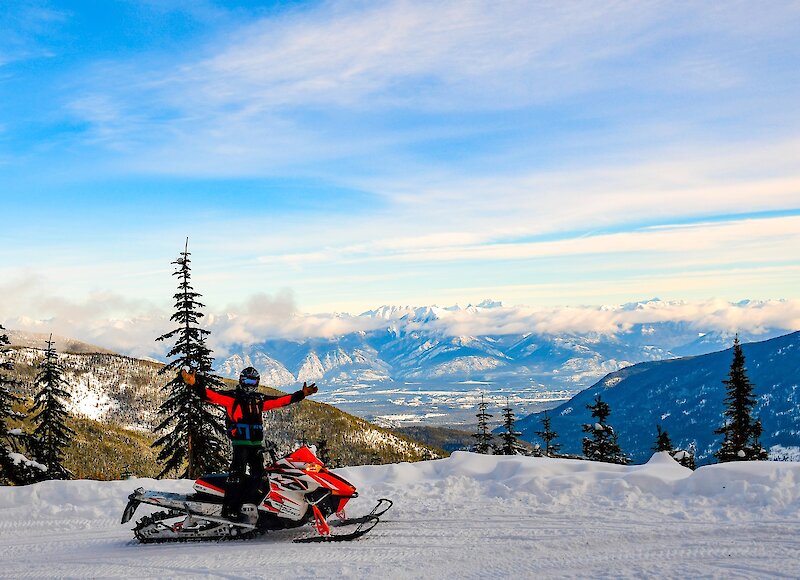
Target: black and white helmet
248,379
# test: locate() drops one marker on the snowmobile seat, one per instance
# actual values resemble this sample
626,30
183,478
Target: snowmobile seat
213,485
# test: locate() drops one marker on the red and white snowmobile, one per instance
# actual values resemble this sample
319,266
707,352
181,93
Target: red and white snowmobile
295,490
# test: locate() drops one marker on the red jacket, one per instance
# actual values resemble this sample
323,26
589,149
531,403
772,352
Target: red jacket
243,410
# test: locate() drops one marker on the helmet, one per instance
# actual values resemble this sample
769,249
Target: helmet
248,379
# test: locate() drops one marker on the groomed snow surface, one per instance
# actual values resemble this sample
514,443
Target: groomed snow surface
468,516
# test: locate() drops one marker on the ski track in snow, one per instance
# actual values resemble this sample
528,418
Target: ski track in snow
469,516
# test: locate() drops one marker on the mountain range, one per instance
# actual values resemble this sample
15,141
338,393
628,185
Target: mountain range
685,396
413,366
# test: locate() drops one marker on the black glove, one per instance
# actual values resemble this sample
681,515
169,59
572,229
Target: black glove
309,389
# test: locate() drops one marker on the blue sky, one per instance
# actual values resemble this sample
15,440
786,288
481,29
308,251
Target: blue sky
336,156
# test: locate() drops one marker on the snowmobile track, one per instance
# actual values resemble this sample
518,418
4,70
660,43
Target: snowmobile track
155,518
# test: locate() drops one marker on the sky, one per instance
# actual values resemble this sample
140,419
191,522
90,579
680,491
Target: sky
330,157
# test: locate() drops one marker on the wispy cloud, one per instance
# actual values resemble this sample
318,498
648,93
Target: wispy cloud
252,98
24,32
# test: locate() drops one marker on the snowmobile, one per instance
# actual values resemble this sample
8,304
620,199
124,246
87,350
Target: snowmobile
294,491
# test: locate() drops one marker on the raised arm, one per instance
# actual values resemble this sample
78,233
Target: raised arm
195,382
283,400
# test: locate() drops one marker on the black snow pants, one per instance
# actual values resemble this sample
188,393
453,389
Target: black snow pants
241,483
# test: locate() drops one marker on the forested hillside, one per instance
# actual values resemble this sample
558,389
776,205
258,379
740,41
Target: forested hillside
686,397
114,411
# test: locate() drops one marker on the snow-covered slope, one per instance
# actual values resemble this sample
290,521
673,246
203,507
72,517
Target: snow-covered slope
104,387
468,516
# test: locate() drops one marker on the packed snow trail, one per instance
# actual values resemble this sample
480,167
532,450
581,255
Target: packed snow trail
468,516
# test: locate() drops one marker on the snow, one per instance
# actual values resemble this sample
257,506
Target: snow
18,458
468,516
311,369
89,399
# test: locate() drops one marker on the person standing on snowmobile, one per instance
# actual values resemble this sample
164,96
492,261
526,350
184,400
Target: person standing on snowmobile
245,427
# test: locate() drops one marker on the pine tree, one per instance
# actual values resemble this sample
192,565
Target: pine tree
602,444
740,432
51,433
548,435
11,464
16,447
7,399
663,442
193,442
510,438
483,437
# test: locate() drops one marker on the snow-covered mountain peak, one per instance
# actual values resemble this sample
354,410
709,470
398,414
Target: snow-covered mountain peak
389,312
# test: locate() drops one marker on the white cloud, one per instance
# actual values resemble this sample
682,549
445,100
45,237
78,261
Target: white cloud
102,318
264,317
710,315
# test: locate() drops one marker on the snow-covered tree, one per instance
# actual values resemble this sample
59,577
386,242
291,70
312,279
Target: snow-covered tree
509,437
483,437
684,457
51,432
548,436
15,466
193,442
740,432
7,399
601,444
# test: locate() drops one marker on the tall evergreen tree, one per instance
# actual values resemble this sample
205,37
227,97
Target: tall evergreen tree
51,432
510,438
7,400
740,432
548,435
663,442
15,446
483,437
601,445
193,442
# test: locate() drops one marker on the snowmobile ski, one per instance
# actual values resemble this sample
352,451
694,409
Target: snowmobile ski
380,508
366,524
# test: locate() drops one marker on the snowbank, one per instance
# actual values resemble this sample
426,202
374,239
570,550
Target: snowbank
465,516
